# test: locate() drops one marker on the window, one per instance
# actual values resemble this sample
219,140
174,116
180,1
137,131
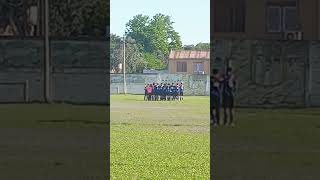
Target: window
290,19
229,15
282,18
198,68
181,66
274,19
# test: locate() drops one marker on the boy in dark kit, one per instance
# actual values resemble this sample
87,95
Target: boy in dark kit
215,86
153,92
161,92
167,92
229,87
181,87
156,92
172,91
178,92
145,92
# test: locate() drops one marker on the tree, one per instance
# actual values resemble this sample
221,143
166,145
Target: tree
188,47
202,47
115,52
78,18
152,62
198,47
137,29
156,36
135,62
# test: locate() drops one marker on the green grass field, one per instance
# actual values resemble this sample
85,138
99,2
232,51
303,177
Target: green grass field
157,140
58,141
160,140
269,144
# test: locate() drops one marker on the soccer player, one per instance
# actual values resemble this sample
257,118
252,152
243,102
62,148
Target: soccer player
172,91
161,92
156,92
149,92
168,92
215,86
181,91
145,92
153,91
229,87
178,92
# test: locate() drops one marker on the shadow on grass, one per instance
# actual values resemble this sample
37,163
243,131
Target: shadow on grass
73,121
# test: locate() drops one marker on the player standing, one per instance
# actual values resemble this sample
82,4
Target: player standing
181,91
229,87
145,92
215,86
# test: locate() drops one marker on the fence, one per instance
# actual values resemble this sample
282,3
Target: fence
272,73
195,85
78,67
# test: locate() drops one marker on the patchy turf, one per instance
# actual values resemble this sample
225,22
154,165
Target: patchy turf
57,141
159,140
269,144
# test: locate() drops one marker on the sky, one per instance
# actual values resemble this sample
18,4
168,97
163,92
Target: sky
191,17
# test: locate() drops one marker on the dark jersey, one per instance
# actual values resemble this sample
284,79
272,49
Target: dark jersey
181,88
215,86
228,87
173,89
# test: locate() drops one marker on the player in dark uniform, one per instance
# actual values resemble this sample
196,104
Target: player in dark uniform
178,92
153,91
166,92
215,86
229,87
156,95
145,92
172,92
161,92
181,91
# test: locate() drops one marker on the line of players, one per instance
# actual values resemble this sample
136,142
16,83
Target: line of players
164,92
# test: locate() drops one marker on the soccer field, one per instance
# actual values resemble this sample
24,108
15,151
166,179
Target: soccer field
269,144
160,140
156,140
57,141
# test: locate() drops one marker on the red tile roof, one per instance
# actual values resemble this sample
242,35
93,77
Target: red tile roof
189,55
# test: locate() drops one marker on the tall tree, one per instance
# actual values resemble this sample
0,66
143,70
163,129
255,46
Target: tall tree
156,36
135,62
78,17
115,52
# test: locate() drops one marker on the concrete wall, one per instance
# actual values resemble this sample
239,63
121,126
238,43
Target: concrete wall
269,73
78,74
195,85
313,96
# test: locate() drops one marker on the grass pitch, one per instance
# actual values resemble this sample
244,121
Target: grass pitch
160,140
269,145
57,141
